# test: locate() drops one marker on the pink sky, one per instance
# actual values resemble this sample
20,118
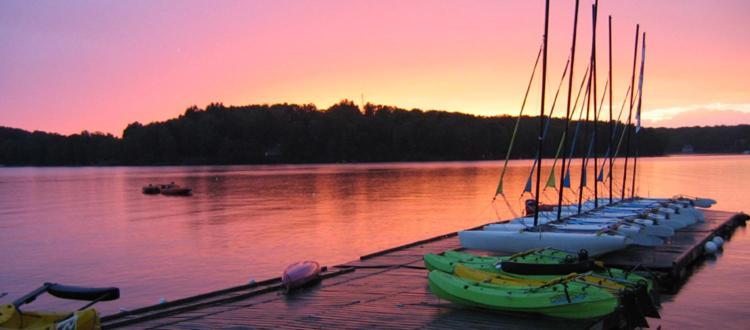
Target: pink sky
99,65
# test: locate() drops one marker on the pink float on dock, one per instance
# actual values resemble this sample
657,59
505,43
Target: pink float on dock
301,274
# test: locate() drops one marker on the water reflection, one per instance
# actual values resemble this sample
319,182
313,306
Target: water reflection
92,226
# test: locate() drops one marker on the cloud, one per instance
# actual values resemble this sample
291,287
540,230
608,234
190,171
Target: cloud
698,115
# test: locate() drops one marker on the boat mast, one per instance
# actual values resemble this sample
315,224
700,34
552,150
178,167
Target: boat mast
590,94
630,112
567,114
611,123
638,113
595,8
584,155
541,114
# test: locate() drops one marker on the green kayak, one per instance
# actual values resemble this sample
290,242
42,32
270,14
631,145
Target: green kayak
449,259
559,298
614,280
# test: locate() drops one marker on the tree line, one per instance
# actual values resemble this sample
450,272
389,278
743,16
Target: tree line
344,132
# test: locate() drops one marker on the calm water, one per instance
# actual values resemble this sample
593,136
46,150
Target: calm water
92,226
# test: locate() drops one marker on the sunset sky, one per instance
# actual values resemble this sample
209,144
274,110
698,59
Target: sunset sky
99,65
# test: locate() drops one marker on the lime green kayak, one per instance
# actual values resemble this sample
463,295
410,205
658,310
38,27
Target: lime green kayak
445,261
615,280
559,298
449,259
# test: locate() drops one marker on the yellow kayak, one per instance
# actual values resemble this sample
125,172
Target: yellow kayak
530,281
10,318
86,318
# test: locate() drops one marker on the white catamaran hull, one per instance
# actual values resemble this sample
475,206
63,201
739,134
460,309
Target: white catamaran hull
637,235
648,226
513,241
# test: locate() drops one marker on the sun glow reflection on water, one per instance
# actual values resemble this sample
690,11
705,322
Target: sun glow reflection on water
92,226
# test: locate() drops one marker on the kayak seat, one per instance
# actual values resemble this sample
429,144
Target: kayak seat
83,293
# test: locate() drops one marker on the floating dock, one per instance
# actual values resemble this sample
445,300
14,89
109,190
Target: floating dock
388,290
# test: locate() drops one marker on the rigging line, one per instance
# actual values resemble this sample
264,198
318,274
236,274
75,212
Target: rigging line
611,123
510,207
593,138
575,133
638,113
622,134
585,133
499,190
580,116
551,176
630,112
599,112
540,145
578,125
595,11
604,160
527,187
568,114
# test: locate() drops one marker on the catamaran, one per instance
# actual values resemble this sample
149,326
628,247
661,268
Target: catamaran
599,225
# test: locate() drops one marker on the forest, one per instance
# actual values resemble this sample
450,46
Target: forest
344,132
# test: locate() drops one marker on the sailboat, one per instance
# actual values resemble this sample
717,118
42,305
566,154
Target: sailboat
599,225
514,241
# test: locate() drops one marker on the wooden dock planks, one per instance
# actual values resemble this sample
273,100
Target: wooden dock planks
388,290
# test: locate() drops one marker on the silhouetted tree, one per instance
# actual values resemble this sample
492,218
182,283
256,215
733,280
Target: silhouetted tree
292,133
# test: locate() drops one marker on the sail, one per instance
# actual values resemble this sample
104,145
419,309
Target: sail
640,86
566,179
585,162
551,180
598,113
527,187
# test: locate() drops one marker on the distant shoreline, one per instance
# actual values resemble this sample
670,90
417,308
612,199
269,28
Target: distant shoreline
348,133
499,161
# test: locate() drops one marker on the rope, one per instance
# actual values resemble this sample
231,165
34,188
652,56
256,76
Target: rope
578,126
499,190
547,124
622,134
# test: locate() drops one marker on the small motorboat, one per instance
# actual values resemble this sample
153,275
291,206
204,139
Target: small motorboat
151,189
301,274
173,189
85,318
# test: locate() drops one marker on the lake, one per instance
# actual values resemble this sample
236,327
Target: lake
93,226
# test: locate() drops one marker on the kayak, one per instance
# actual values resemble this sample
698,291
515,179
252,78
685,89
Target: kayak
12,318
636,295
536,265
558,298
86,318
447,261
